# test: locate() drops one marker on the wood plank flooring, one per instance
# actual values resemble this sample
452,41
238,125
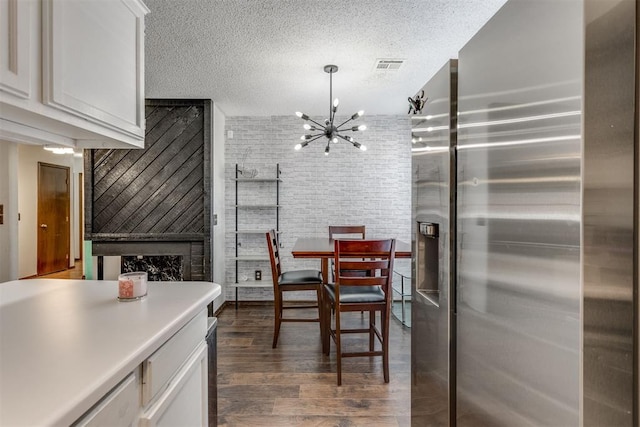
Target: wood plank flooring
295,385
71,273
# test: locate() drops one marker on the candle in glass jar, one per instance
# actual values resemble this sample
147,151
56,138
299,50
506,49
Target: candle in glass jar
132,285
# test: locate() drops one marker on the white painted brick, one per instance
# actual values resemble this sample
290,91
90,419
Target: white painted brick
347,187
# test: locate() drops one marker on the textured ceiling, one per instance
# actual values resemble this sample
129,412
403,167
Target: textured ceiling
260,58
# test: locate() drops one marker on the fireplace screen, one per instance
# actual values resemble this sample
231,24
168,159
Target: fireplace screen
165,268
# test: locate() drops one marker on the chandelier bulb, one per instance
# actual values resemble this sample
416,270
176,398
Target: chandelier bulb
326,150
358,114
362,127
363,147
307,126
334,140
302,115
301,145
336,102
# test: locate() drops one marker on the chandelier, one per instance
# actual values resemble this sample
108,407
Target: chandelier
329,130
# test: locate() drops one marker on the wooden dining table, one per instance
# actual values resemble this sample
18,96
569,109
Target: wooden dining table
324,248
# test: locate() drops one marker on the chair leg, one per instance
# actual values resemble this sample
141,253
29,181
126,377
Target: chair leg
372,335
384,321
326,329
277,303
338,348
320,310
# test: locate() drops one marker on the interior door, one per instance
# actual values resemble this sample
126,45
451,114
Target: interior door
53,218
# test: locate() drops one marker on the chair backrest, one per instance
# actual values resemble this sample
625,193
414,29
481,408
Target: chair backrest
365,263
274,255
346,231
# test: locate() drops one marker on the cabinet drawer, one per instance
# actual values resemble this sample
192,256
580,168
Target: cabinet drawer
184,402
118,408
158,369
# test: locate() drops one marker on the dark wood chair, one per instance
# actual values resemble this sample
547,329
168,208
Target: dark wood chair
357,289
346,231
297,280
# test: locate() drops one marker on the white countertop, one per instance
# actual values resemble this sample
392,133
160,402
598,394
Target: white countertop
65,343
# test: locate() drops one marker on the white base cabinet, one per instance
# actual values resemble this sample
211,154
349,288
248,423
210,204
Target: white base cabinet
118,408
170,388
72,72
184,402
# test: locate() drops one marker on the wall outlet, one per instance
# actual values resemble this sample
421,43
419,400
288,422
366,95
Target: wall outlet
258,275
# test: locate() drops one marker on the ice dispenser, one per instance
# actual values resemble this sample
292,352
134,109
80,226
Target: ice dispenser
427,258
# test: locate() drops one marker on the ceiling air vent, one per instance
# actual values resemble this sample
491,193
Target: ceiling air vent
388,64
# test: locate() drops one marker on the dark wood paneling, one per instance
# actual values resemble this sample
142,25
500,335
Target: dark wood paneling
158,193
198,261
125,183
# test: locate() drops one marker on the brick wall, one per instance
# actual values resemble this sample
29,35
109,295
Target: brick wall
347,187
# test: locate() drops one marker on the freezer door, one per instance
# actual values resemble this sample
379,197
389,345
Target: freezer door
431,330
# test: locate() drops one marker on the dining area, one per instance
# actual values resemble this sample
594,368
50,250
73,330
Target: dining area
333,355
356,275
299,198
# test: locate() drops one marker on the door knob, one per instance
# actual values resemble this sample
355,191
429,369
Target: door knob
43,225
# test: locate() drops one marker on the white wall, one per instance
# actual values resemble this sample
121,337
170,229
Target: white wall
78,218
218,202
9,200
347,187
28,158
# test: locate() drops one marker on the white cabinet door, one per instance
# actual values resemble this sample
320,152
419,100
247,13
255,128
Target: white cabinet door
161,366
184,402
15,36
118,408
93,54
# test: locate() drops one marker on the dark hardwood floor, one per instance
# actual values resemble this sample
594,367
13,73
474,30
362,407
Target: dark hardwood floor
295,385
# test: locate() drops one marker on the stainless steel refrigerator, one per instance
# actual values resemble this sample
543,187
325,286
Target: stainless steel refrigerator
523,280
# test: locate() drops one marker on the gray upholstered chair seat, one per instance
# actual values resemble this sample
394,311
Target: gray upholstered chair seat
300,276
356,294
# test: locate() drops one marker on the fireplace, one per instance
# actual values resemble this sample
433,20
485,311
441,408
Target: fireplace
162,260
151,207
159,268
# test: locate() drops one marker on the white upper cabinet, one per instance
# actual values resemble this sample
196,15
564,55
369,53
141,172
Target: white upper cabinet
72,72
15,66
